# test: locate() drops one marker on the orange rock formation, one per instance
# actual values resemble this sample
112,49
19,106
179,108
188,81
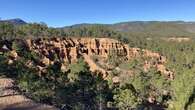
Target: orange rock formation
68,50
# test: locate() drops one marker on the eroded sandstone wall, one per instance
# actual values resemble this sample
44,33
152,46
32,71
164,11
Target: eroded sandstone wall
68,50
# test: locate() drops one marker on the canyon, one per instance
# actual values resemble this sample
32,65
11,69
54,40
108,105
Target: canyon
69,50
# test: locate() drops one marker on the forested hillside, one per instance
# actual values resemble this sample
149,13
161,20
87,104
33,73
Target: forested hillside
131,83
150,28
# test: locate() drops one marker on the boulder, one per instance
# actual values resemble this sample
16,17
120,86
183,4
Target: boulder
13,54
45,61
116,79
64,68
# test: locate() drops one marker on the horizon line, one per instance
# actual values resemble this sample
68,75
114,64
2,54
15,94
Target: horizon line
125,21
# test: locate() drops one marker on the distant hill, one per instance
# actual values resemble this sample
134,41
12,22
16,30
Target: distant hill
16,21
169,28
146,28
134,28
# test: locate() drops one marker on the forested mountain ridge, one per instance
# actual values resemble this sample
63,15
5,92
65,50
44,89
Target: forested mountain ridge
149,25
147,28
144,28
16,21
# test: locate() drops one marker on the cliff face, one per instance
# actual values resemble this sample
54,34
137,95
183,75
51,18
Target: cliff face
68,50
71,49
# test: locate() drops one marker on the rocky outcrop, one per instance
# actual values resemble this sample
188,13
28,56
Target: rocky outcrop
68,50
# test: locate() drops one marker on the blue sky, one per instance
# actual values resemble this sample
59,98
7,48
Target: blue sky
67,12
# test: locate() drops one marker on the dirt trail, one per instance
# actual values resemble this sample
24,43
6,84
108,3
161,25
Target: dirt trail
11,100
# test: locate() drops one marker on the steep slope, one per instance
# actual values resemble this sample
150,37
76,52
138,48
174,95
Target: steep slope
93,66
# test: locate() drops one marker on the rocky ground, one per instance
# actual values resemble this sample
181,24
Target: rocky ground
11,100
